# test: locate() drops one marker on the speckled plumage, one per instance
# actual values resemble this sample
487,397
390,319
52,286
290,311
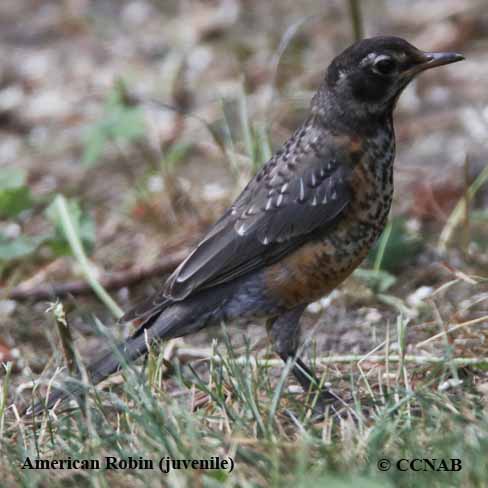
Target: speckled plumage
304,222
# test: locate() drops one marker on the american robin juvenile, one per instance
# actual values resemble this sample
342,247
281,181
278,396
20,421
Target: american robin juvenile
303,223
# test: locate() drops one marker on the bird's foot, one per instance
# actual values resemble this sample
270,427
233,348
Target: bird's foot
325,403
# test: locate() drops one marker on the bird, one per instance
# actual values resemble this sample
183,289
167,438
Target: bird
301,225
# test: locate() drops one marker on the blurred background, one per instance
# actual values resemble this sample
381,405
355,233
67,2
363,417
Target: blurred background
148,117
126,128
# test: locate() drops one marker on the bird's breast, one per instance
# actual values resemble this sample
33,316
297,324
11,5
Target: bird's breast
320,265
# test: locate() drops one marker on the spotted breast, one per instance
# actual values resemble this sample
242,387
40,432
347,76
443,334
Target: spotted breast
321,264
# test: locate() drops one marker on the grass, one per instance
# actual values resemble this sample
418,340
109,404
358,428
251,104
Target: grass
233,409
74,240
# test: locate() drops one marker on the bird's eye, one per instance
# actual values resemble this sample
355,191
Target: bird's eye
384,65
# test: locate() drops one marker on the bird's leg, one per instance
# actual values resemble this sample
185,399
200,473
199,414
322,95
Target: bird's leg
285,334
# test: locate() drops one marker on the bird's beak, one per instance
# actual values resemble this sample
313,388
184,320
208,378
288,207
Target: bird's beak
439,59
432,60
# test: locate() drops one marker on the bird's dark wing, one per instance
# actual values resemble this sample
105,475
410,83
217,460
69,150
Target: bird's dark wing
301,189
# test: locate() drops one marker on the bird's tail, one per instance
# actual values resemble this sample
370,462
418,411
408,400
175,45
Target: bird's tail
107,364
172,322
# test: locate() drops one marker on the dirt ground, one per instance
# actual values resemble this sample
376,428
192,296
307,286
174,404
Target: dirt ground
59,63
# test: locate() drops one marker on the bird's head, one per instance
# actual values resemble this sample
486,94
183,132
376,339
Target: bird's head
370,75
